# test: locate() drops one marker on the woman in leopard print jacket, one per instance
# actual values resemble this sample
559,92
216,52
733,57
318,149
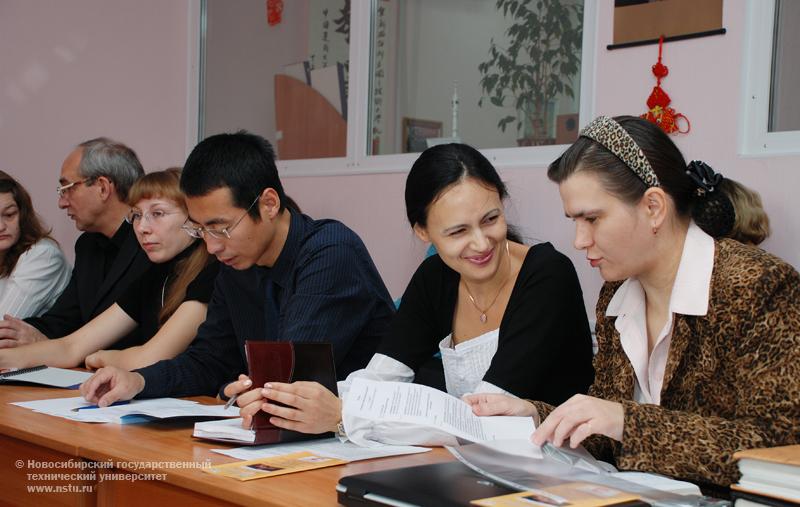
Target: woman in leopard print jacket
698,338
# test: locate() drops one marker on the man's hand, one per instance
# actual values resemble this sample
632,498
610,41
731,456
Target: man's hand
15,332
312,408
249,400
111,384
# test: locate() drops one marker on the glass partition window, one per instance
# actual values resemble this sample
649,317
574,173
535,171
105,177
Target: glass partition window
770,122
281,74
493,74
784,107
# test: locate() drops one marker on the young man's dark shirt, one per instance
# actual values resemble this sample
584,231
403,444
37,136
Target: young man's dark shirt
323,287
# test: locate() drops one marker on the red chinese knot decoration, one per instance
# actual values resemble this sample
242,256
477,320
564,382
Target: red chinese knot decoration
658,102
274,12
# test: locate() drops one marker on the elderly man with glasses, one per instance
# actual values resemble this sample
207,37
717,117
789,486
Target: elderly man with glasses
93,189
287,277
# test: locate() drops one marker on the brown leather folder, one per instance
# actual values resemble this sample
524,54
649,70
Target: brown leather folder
287,362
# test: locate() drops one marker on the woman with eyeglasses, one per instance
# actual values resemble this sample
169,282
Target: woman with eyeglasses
168,302
33,271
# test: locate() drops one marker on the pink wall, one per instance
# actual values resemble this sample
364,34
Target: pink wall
78,69
704,83
85,68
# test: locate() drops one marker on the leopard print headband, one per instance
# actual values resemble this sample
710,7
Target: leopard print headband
615,139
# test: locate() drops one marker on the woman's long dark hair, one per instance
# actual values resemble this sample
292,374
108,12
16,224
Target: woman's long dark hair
440,167
31,229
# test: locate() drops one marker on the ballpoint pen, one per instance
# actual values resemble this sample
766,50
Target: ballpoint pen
231,401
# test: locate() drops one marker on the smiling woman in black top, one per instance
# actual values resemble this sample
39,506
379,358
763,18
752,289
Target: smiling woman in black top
507,317
167,303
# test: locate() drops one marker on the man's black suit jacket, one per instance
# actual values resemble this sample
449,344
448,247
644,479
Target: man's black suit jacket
89,293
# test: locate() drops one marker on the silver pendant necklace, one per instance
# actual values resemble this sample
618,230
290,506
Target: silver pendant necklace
163,290
482,311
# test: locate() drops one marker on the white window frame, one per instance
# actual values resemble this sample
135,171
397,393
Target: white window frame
357,161
755,140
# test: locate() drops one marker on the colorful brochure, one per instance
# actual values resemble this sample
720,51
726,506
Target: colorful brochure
274,465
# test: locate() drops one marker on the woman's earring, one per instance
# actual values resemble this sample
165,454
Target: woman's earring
655,230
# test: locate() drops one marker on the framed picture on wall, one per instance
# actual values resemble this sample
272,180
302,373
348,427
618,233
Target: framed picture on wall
416,131
638,22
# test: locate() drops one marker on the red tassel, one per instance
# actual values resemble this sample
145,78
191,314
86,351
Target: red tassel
274,12
658,102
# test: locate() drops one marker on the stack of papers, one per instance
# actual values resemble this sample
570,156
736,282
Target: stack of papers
329,447
768,473
78,409
226,430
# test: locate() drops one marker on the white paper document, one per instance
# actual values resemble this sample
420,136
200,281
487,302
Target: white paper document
329,447
46,376
659,482
402,413
78,409
516,447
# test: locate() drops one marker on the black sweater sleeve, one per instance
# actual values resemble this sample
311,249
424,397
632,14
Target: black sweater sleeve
425,315
545,348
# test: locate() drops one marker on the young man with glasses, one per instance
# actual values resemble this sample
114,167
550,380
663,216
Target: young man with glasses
286,277
93,189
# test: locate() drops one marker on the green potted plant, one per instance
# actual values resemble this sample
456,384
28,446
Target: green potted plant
539,64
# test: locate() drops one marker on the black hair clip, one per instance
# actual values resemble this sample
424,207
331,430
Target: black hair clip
704,177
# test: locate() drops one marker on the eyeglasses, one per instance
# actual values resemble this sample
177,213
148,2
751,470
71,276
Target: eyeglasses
155,216
223,233
62,189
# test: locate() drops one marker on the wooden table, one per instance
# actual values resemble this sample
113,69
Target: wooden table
32,443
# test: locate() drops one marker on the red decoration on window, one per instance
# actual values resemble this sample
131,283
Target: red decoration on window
658,102
274,12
